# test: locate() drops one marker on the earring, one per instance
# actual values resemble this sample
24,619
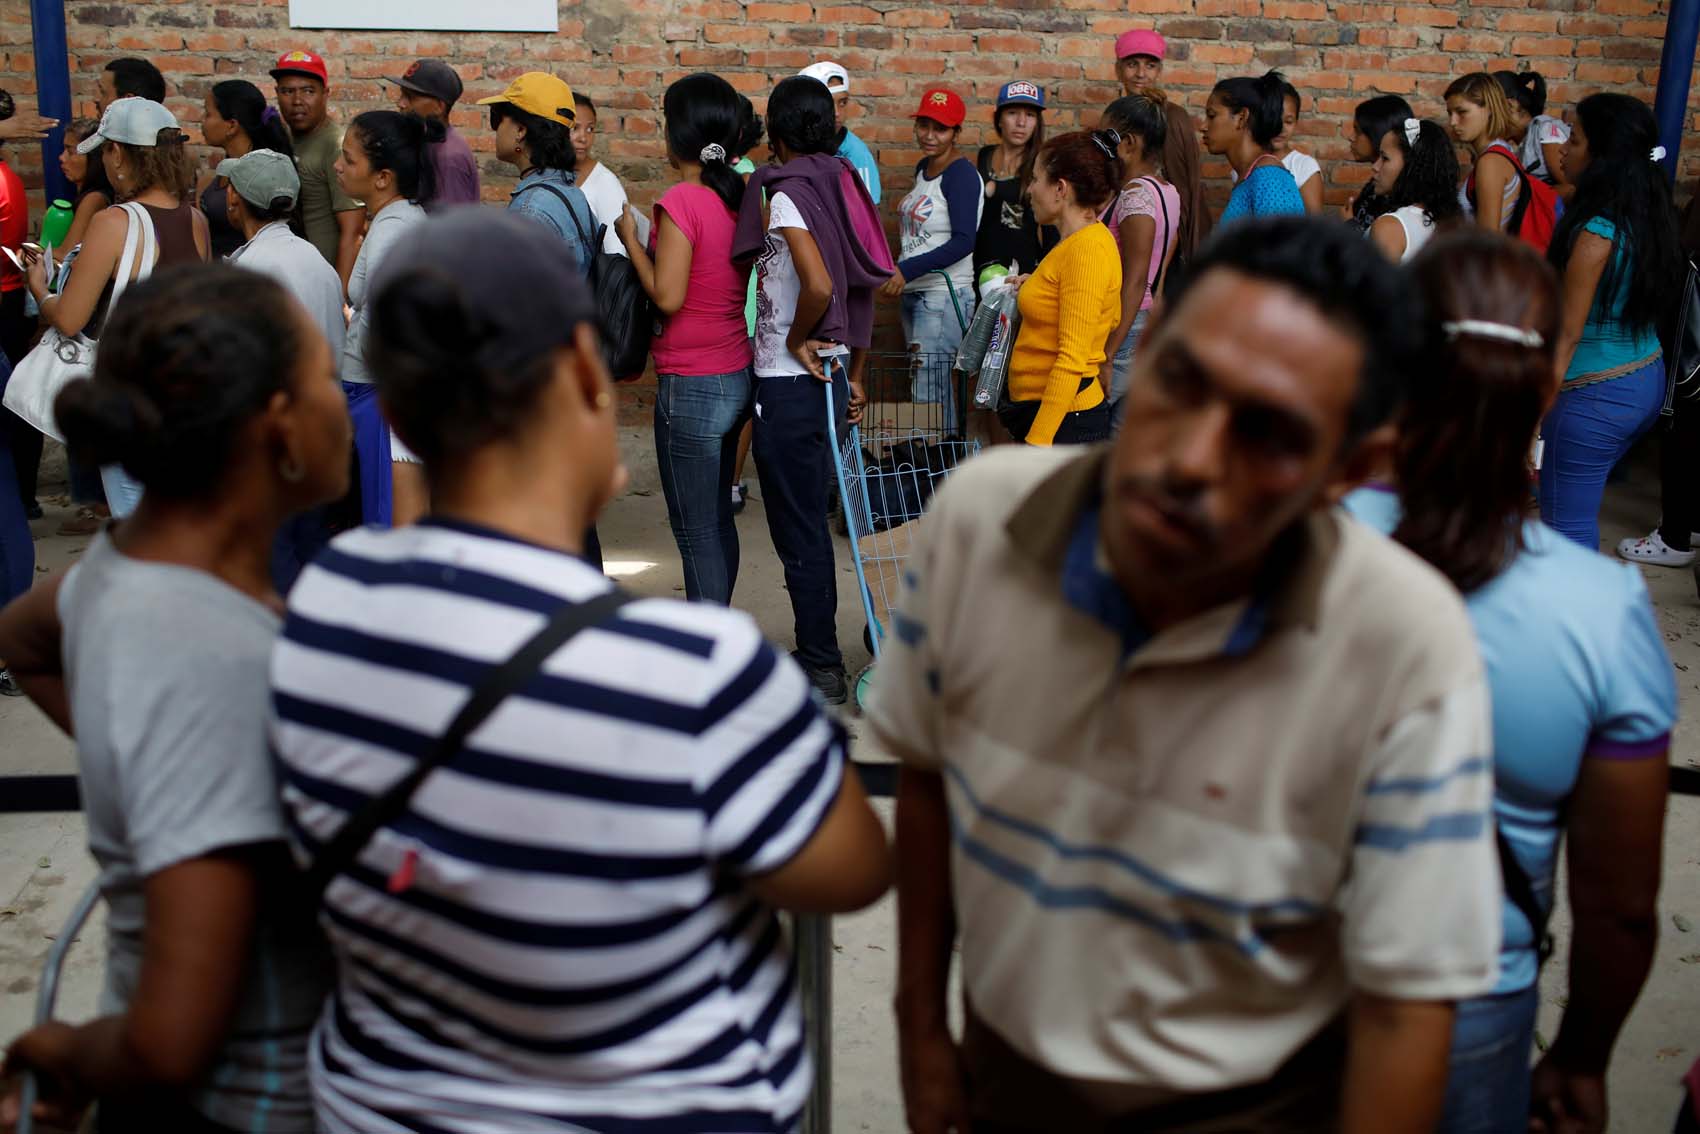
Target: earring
291,470
604,399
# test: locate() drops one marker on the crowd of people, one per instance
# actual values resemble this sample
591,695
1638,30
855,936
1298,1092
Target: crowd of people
408,818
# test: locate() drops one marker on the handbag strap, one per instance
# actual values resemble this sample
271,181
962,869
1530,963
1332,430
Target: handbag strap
1520,891
351,838
139,239
1156,285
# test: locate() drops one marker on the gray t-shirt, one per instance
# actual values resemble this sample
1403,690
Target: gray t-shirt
391,224
166,669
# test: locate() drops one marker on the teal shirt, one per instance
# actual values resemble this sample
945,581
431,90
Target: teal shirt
1608,345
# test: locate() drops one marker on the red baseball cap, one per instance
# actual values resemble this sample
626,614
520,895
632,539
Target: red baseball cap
942,106
301,63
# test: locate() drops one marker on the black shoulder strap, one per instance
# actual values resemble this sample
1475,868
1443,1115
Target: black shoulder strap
358,830
1521,893
572,214
1156,285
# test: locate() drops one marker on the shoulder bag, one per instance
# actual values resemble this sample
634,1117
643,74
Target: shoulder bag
351,838
58,358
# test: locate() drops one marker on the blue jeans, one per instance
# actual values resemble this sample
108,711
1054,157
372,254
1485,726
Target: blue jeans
697,422
794,459
934,328
1587,431
1487,1079
1121,367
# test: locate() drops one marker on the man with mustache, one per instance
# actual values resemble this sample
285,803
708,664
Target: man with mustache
1196,769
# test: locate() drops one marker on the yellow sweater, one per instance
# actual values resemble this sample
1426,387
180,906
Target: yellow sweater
1069,306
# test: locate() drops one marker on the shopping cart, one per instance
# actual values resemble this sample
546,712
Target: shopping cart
49,992
887,468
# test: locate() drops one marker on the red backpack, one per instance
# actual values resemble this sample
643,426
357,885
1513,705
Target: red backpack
1535,216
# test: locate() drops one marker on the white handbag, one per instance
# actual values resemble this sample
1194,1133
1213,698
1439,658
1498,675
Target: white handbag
57,359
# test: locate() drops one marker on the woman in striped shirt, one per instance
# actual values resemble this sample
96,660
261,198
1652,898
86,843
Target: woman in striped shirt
573,923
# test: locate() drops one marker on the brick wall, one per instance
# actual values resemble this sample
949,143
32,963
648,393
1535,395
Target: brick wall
624,52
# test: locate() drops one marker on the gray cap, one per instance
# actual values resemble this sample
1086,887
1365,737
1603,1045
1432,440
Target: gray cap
260,177
132,121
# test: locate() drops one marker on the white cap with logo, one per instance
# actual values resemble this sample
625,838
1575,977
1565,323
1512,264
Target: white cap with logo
836,78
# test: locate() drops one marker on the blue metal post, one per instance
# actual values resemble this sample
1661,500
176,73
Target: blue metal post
53,86
1676,71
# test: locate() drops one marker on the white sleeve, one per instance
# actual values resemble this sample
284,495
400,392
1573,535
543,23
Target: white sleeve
1421,905
781,213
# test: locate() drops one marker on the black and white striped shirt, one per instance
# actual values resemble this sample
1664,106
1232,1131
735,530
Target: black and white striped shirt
578,948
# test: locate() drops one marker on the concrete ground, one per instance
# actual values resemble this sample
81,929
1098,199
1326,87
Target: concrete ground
44,863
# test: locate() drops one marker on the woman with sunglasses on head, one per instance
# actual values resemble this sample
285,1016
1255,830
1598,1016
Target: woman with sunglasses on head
572,924
216,392
1416,175
1582,690
1619,254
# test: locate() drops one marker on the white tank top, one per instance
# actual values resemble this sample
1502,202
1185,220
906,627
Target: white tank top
1414,219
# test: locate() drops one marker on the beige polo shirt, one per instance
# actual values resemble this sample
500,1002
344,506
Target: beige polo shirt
1176,855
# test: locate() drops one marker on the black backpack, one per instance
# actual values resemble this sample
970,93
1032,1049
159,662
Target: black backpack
624,312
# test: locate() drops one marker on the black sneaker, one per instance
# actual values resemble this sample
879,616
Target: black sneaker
9,685
739,493
830,682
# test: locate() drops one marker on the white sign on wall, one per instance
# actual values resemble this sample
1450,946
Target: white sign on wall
426,15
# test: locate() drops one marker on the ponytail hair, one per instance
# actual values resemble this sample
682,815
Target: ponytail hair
192,354
1264,99
705,124
1088,161
401,143
244,104
1430,176
1484,90
1528,89
1466,428
1144,116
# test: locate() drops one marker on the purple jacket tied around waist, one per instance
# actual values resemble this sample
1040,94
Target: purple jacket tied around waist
847,230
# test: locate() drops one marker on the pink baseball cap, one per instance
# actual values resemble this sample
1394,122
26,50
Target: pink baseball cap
1140,42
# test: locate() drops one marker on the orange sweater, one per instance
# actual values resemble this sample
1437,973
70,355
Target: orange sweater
1069,306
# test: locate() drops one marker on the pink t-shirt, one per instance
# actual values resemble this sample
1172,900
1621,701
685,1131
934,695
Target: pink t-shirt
1137,200
708,334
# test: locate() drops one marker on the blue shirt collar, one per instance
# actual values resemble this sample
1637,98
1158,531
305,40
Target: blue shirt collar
1090,589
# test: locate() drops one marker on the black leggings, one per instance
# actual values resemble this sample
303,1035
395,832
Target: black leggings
24,439
1679,474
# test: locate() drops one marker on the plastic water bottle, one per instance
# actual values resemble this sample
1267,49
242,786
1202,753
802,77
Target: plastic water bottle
994,367
56,223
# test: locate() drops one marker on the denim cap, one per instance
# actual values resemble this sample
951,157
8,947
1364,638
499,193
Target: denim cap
510,270
260,177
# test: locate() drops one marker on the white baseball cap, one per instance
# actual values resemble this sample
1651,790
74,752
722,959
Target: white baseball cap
829,73
132,121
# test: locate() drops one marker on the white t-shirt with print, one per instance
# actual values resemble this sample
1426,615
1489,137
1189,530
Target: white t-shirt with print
777,289
607,199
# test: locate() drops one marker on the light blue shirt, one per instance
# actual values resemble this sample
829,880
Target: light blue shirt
857,153
1577,669
539,196
1267,191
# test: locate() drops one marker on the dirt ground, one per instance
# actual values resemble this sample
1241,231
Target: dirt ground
44,863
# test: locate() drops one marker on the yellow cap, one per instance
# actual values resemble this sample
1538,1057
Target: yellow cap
539,93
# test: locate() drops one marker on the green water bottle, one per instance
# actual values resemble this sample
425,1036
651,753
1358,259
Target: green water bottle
56,223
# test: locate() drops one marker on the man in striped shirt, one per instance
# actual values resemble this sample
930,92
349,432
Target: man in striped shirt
1220,827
